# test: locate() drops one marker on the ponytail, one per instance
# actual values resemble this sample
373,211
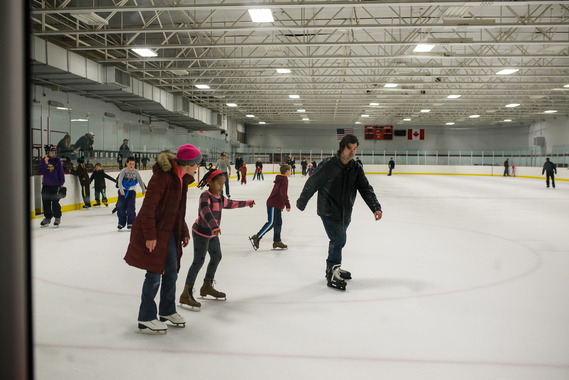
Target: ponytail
209,176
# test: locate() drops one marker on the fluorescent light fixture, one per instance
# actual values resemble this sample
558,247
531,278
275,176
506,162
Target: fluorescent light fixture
374,104
300,110
425,111
358,122
406,119
90,18
474,116
203,86
262,122
305,119
261,15
507,120
145,52
364,115
79,119
450,123
512,105
231,104
566,86
283,71
63,108
249,115
550,111
423,48
453,96
507,71
391,85
294,96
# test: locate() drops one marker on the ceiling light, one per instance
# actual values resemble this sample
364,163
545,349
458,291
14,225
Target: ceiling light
294,96
423,48
550,111
305,119
358,122
63,108
262,122
202,86
261,15
79,119
231,104
283,71
507,71
364,115
425,111
390,85
300,110
512,105
450,123
406,119
474,116
374,104
145,52
453,96
90,18
249,115
507,120
567,85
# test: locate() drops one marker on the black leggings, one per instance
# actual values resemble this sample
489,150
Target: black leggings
203,245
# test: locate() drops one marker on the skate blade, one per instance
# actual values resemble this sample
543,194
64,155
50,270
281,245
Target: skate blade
148,331
178,325
212,298
189,307
251,240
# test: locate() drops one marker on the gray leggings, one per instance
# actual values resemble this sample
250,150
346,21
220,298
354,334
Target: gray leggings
203,245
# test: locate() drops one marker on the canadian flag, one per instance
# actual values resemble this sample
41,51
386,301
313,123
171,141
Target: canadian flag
415,134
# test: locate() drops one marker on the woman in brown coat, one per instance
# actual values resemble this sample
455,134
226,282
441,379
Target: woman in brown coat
158,234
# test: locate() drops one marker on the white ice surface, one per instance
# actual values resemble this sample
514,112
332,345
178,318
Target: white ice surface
463,278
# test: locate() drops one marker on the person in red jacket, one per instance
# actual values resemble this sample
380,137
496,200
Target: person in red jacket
243,171
276,202
158,234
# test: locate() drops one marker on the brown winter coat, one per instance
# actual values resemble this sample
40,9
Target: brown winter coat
162,213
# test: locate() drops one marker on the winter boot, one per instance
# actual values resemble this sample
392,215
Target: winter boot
334,279
152,327
208,290
187,298
254,241
279,244
45,222
56,222
175,319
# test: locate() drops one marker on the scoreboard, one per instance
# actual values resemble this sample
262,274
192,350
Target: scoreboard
378,132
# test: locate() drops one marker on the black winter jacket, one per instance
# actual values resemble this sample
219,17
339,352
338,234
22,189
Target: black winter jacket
337,185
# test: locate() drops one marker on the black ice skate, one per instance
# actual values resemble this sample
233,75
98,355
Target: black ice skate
45,222
56,222
334,279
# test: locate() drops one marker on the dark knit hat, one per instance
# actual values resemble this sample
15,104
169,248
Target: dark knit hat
80,160
188,155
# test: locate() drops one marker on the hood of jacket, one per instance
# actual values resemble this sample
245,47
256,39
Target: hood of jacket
164,162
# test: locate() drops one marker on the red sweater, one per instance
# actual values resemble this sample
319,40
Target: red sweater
279,198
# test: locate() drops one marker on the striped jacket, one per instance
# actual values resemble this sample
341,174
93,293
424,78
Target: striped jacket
209,214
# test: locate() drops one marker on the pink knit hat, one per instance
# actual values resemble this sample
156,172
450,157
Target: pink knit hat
188,155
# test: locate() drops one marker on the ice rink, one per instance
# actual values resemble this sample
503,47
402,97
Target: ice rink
464,278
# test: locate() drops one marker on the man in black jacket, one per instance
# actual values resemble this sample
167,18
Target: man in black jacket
337,180
549,168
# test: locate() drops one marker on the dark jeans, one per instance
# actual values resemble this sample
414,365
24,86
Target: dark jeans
126,208
50,202
203,245
226,185
86,194
275,221
147,311
336,232
547,176
102,193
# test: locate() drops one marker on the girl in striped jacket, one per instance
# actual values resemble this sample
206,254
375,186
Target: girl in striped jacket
205,234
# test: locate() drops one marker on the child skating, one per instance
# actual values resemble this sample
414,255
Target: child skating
99,176
243,171
205,234
126,202
277,201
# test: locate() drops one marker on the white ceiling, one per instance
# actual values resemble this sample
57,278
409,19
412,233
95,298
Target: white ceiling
340,53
